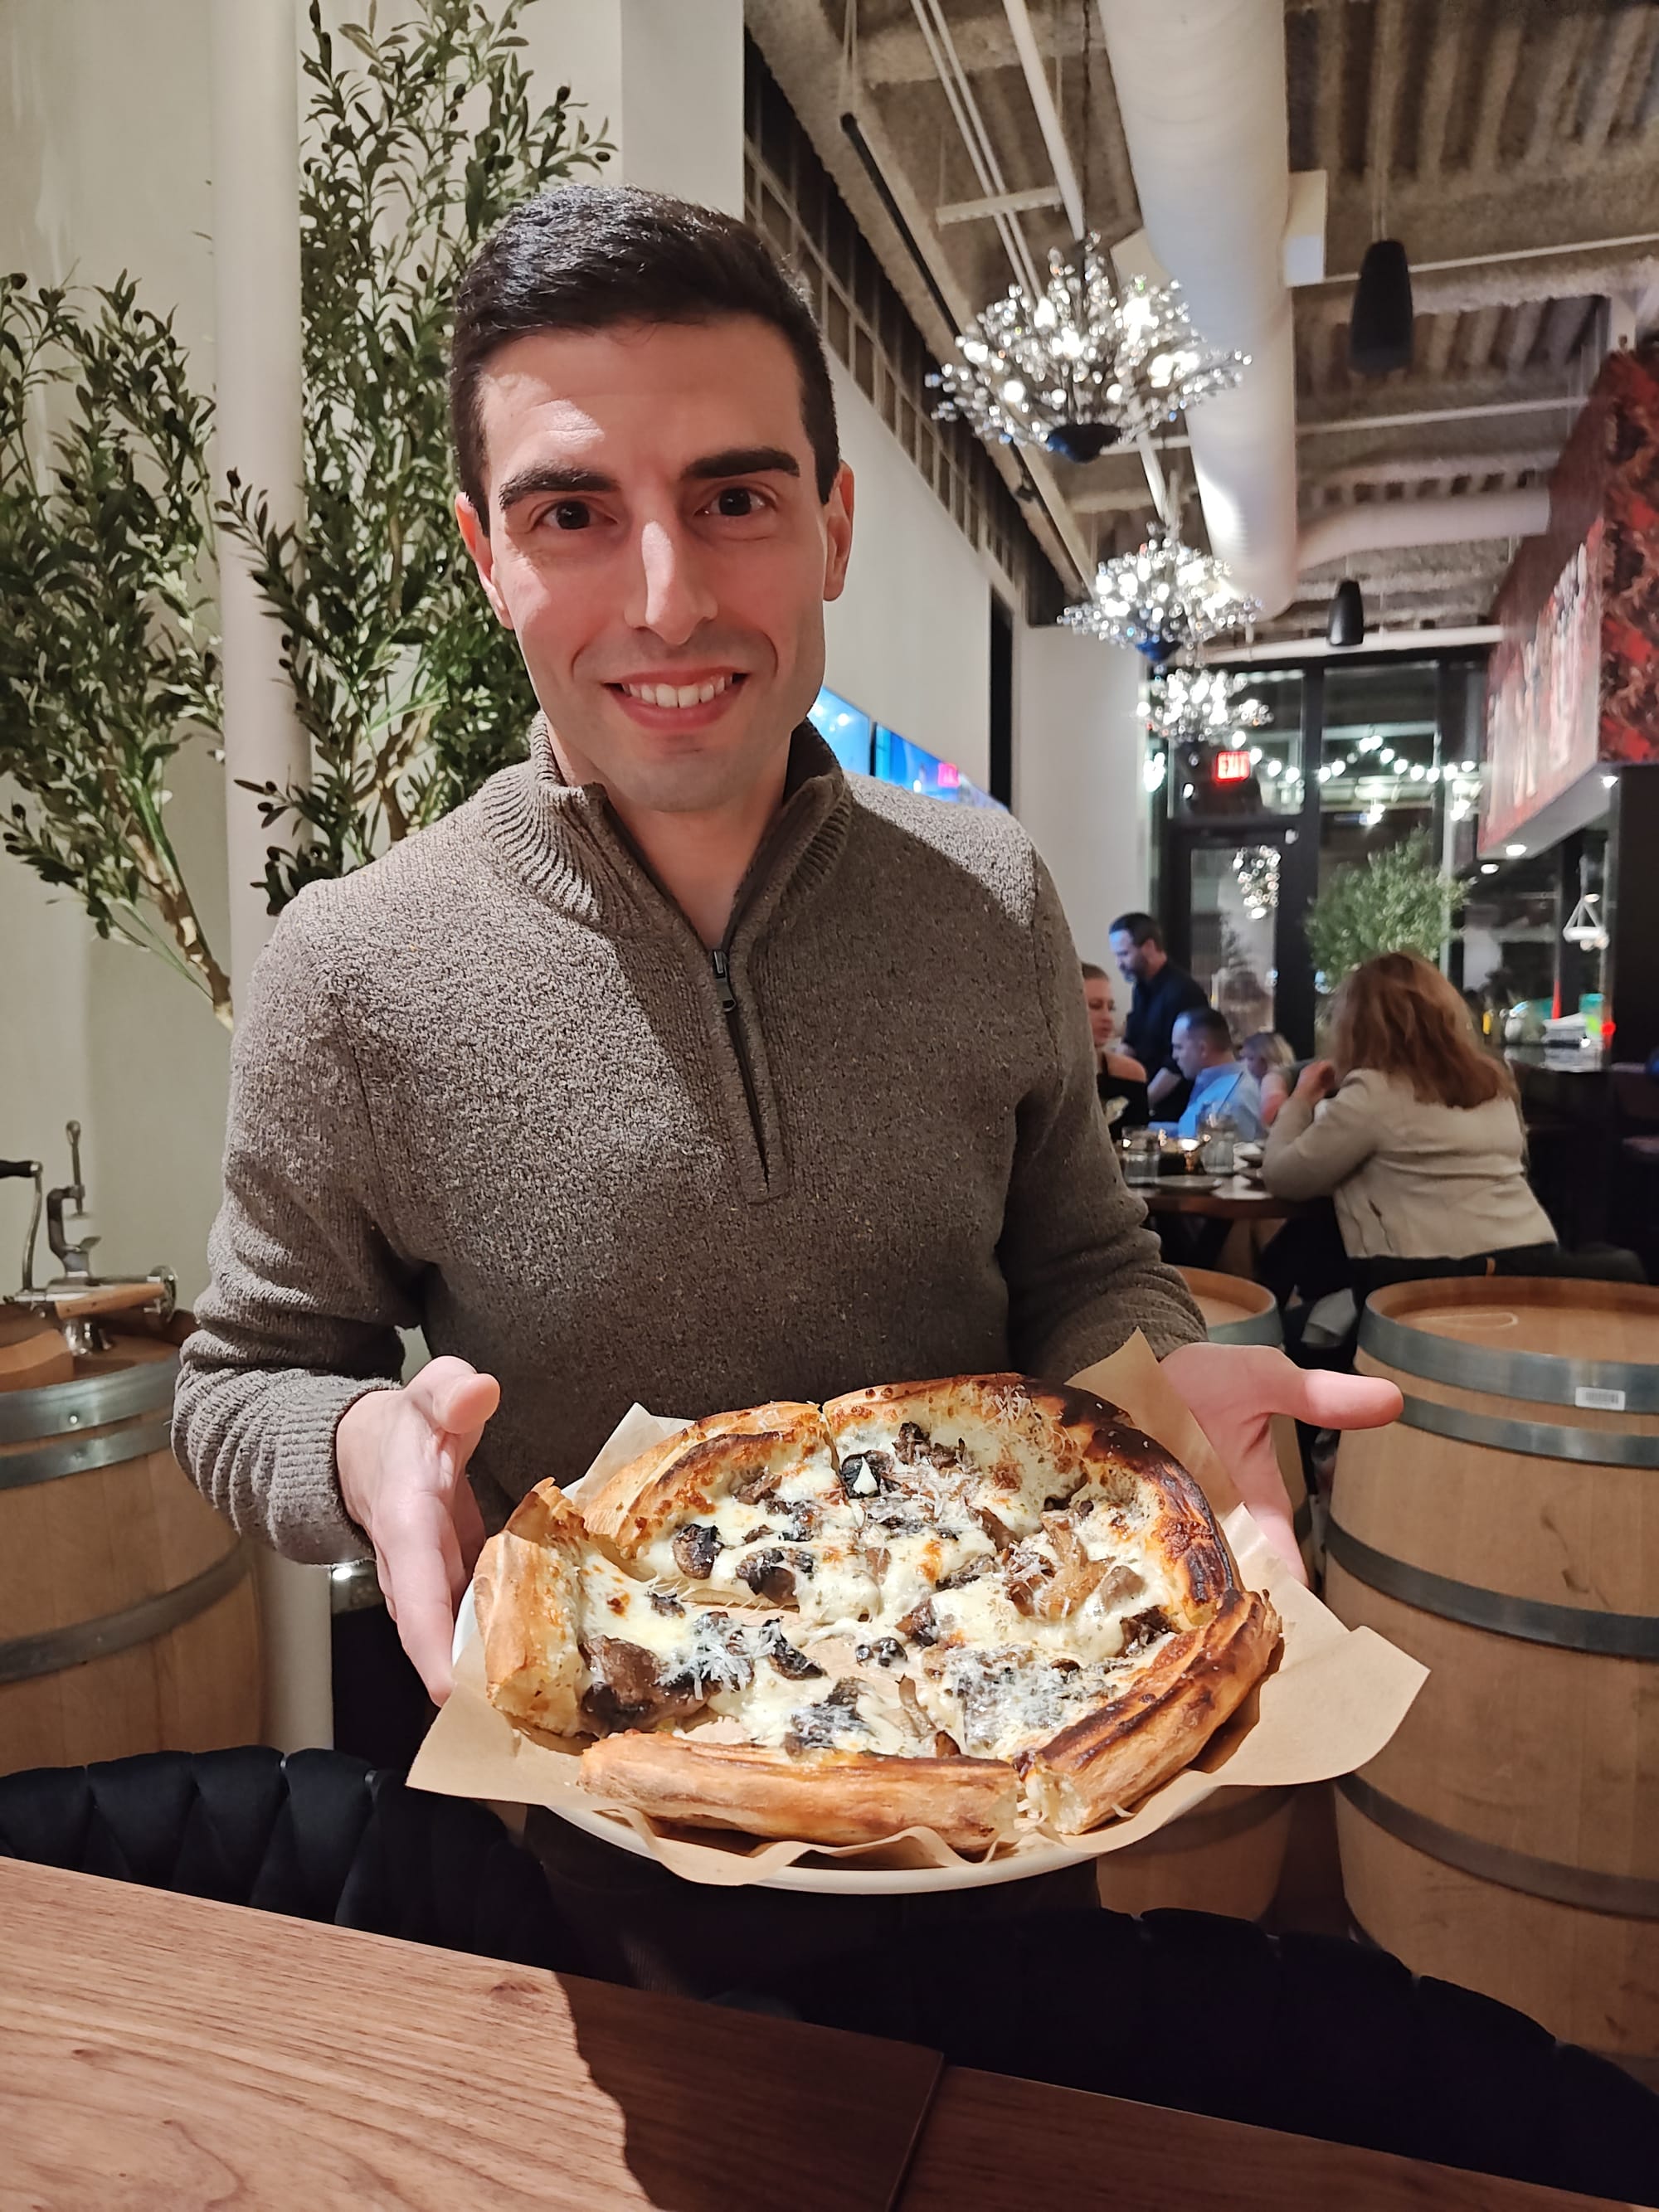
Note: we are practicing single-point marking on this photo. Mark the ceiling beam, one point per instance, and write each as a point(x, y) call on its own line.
point(1510, 279)
point(1039, 196)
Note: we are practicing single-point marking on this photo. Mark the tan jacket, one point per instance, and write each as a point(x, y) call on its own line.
point(1409, 1180)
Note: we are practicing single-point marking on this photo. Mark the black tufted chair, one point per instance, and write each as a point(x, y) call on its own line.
point(316, 1834)
point(1308, 2034)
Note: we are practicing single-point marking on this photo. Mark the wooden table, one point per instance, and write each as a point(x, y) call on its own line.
point(1235, 1200)
point(159, 2054)
point(991, 2144)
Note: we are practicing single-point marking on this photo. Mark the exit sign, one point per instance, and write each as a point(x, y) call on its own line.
point(1231, 767)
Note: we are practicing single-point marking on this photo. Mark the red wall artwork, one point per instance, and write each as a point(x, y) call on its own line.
point(1576, 679)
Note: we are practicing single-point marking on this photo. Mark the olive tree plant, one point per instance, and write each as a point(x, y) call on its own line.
point(419, 136)
point(1398, 902)
point(410, 694)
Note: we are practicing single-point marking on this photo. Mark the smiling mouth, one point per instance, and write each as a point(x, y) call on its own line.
point(681, 695)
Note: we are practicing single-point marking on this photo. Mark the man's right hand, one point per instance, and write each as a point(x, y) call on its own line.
point(402, 1457)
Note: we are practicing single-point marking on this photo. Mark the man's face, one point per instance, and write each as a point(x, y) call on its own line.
point(1189, 1048)
point(657, 543)
point(1097, 995)
point(1131, 958)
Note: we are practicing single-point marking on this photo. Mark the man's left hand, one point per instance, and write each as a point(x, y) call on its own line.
point(1234, 1390)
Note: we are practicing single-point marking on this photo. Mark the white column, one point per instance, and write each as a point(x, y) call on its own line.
point(1079, 747)
point(256, 266)
point(665, 78)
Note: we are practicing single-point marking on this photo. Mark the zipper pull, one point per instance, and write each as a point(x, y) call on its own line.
point(723, 982)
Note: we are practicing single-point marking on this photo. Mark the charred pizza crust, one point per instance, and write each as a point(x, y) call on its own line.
point(827, 1798)
point(1000, 1593)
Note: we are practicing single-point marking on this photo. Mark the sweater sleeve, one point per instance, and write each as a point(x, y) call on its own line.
point(1308, 1155)
point(307, 1297)
point(1082, 1269)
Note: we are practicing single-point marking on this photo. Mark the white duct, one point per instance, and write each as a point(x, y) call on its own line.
point(1200, 88)
point(1384, 525)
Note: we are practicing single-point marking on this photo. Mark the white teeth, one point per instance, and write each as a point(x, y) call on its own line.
point(684, 694)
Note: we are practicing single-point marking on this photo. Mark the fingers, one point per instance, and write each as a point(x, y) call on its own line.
point(455, 1399)
point(1347, 1402)
point(419, 1561)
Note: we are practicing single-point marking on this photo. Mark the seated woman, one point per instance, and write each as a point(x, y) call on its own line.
point(1412, 1128)
point(1268, 1057)
point(1118, 1074)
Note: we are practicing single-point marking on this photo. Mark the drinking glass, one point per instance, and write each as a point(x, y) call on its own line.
point(1141, 1154)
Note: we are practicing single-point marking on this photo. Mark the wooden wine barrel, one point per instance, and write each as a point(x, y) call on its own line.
point(1507, 1533)
point(1236, 1310)
point(1225, 1856)
point(127, 1611)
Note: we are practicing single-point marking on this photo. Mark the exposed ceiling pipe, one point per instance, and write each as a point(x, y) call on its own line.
point(1200, 89)
point(1383, 524)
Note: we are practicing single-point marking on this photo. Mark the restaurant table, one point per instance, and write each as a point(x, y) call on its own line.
point(170, 2053)
point(1234, 1198)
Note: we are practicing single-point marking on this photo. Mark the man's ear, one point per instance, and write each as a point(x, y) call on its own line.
point(838, 532)
point(476, 538)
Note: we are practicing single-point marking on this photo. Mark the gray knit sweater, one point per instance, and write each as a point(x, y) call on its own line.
point(487, 1087)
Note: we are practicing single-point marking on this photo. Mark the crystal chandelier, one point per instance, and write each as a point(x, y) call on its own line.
point(1166, 598)
point(1256, 868)
point(1186, 706)
point(1084, 364)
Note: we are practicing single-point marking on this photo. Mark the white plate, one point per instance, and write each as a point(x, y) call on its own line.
point(827, 1878)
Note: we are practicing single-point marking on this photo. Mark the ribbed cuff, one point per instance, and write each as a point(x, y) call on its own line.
point(305, 1514)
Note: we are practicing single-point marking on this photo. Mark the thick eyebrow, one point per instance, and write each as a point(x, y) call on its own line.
point(735, 461)
point(744, 461)
point(546, 476)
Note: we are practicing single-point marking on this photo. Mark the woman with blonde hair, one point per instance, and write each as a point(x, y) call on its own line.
point(1269, 1058)
point(1414, 1131)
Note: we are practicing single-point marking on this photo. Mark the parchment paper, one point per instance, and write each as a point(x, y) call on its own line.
point(1331, 1702)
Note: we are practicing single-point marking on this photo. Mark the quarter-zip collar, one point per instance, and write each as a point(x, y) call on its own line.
point(567, 844)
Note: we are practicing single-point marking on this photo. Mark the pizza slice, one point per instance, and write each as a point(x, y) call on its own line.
point(750, 1719)
point(748, 1507)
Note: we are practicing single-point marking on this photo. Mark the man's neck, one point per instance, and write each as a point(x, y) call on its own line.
point(699, 858)
point(1154, 972)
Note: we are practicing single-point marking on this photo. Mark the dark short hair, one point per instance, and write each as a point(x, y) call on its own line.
point(1142, 928)
point(588, 257)
point(1207, 1022)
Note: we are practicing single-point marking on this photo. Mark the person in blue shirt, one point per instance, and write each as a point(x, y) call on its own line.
point(1203, 1050)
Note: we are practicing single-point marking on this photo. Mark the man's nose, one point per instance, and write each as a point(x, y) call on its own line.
point(671, 595)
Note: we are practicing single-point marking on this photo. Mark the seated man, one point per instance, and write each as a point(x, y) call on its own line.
point(1203, 1048)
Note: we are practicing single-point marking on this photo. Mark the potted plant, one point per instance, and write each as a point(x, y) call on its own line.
point(1398, 902)
point(418, 139)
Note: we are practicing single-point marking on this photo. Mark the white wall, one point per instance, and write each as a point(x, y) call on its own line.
point(104, 166)
point(909, 640)
point(664, 77)
point(1078, 751)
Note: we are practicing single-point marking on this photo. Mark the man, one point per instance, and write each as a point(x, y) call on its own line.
point(1221, 1083)
point(1162, 991)
point(629, 1079)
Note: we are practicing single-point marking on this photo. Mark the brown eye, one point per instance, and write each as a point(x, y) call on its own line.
point(735, 501)
point(571, 514)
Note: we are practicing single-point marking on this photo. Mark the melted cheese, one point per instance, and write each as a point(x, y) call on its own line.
point(997, 1680)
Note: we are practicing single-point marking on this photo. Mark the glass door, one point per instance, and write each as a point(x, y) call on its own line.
point(1230, 913)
